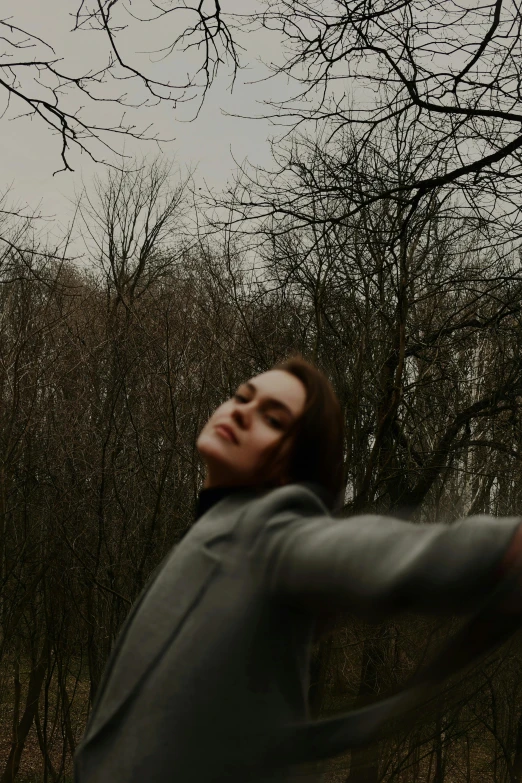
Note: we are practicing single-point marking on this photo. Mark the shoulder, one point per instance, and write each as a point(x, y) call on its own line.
point(282, 505)
point(276, 511)
point(302, 499)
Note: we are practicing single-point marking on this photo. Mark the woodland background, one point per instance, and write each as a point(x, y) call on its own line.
point(384, 247)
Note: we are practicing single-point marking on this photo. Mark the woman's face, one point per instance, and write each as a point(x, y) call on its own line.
point(236, 439)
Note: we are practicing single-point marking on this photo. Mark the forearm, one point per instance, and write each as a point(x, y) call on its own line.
point(376, 566)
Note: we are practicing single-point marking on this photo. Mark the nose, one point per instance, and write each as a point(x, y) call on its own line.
point(242, 415)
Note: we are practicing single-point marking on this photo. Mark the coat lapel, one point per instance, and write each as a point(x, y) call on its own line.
point(171, 595)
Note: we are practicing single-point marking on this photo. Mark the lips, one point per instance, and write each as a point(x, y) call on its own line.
point(228, 430)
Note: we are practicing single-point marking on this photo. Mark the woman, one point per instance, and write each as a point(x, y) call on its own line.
point(208, 680)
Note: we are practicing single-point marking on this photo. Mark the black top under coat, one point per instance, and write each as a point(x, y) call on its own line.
point(212, 495)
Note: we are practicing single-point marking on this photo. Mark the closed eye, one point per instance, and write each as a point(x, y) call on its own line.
point(270, 419)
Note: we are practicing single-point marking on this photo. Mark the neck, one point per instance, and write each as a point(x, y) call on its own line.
point(222, 484)
point(214, 477)
point(211, 482)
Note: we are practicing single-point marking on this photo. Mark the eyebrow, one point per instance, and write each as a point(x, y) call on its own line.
point(274, 403)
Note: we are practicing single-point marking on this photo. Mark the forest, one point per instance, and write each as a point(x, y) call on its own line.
point(384, 245)
point(108, 372)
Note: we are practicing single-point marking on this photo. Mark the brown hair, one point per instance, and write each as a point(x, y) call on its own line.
point(317, 451)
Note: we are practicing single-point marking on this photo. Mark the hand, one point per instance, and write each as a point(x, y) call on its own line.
point(511, 566)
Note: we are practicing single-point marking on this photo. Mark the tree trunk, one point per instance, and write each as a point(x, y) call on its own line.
point(440, 762)
point(364, 766)
point(318, 676)
point(516, 769)
point(21, 730)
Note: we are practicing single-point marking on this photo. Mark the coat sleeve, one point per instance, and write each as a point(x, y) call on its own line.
point(375, 565)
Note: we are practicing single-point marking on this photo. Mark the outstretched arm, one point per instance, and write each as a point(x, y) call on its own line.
point(375, 565)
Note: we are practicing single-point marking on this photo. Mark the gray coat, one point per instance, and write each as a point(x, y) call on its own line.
point(211, 667)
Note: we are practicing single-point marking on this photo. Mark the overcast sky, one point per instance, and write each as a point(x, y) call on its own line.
point(31, 154)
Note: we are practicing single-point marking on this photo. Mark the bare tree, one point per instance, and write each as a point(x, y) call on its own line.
point(415, 314)
point(452, 69)
point(135, 227)
point(72, 104)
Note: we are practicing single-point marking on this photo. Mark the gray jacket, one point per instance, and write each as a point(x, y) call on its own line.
point(210, 671)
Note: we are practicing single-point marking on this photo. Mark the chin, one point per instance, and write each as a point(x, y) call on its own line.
point(207, 445)
point(213, 451)
point(212, 447)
